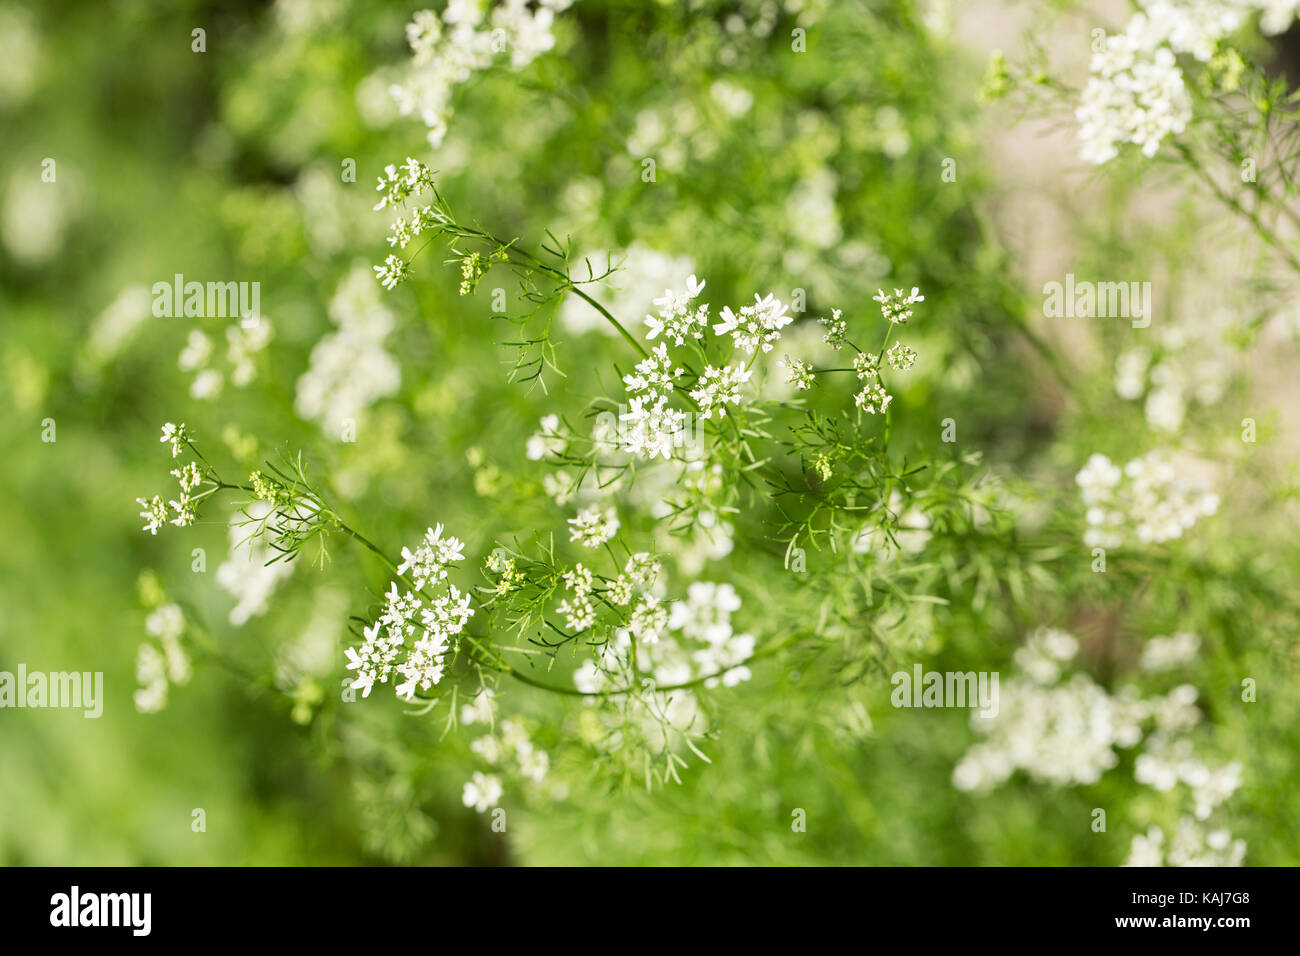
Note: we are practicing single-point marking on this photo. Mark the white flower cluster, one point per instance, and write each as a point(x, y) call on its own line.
point(719, 387)
point(1136, 93)
point(638, 577)
point(836, 329)
point(1192, 845)
point(548, 439)
point(650, 427)
point(654, 376)
point(1065, 731)
point(514, 743)
point(679, 317)
point(592, 528)
point(482, 791)
point(798, 373)
point(428, 563)
point(1151, 498)
point(242, 343)
point(510, 742)
point(1058, 733)
point(873, 399)
point(156, 513)
point(175, 435)
point(400, 183)
point(705, 617)
point(579, 613)
point(756, 326)
point(1169, 760)
point(649, 620)
point(1193, 26)
point(397, 185)
point(158, 666)
point(1186, 368)
point(896, 306)
point(430, 619)
point(1278, 15)
point(1168, 653)
point(688, 640)
point(900, 357)
point(349, 369)
point(470, 36)
point(249, 574)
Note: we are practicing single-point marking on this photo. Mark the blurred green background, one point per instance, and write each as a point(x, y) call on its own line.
point(227, 164)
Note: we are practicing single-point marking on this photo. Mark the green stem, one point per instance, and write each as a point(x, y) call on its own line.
point(1252, 215)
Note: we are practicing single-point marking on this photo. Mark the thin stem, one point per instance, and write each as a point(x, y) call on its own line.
point(1265, 233)
point(565, 280)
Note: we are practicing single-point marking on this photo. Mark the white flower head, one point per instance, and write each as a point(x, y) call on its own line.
point(482, 792)
point(897, 306)
point(154, 513)
point(392, 272)
point(592, 528)
point(177, 435)
point(719, 387)
point(873, 399)
point(756, 326)
point(679, 316)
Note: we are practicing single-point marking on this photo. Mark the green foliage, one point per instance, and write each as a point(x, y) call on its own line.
point(525, 250)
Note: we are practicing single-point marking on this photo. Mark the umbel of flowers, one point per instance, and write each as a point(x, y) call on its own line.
point(698, 362)
point(422, 619)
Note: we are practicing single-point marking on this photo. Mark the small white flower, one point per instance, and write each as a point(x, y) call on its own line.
point(482, 791)
point(866, 364)
point(197, 351)
point(757, 326)
point(654, 376)
point(900, 357)
point(873, 399)
point(592, 528)
point(718, 387)
point(798, 373)
point(836, 330)
point(579, 580)
point(650, 430)
point(649, 621)
point(393, 271)
point(154, 513)
point(579, 614)
point(177, 435)
point(189, 477)
point(679, 318)
point(481, 710)
point(548, 440)
point(896, 307)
